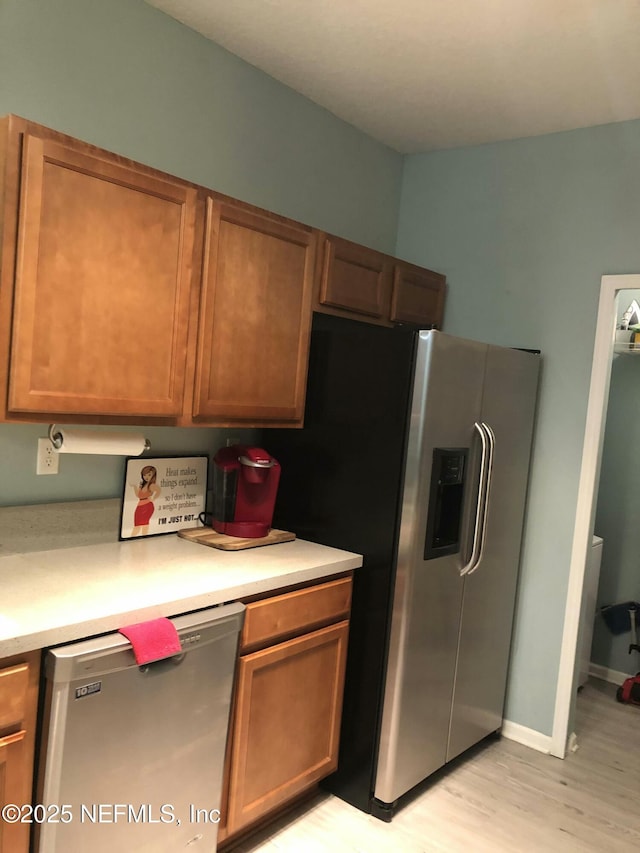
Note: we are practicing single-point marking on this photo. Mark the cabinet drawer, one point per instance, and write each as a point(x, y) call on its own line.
point(292, 613)
point(14, 681)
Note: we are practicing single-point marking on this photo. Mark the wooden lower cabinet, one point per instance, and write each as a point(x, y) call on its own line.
point(287, 722)
point(18, 708)
point(285, 725)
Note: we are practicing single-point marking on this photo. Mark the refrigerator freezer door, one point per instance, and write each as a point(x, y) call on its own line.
point(428, 593)
point(134, 751)
point(508, 406)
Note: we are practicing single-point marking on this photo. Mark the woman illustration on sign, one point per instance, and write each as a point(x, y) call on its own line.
point(146, 491)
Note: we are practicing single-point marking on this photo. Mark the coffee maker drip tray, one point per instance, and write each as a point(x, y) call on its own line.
point(207, 536)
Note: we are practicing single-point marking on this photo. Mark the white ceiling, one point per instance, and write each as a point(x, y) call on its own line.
point(425, 74)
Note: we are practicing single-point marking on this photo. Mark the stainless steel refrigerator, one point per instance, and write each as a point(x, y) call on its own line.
point(415, 453)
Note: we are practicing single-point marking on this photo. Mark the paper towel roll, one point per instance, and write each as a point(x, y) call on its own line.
point(98, 442)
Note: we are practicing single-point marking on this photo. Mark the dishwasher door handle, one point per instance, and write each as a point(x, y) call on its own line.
point(157, 667)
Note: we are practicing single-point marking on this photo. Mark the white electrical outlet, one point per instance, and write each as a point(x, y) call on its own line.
point(47, 460)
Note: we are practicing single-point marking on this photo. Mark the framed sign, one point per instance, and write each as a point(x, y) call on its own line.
point(162, 495)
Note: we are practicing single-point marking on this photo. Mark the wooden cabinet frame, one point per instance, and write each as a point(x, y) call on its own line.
point(19, 684)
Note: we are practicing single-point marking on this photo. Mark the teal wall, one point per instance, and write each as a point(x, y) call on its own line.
point(128, 78)
point(524, 230)
point(618, 509)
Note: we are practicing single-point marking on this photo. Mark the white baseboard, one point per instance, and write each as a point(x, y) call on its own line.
point(542, 743)
point(606, 674)
point(527, 737)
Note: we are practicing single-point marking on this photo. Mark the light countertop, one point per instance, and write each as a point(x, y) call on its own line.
point(60, 594)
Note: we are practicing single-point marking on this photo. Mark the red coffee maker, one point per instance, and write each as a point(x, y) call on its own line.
point(245, 484)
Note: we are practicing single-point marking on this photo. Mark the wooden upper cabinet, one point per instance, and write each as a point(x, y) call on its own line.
point(128, 295)
point(355, 279)
point(255, 318)
point(367, 285)
point(418, 296)
point(103, 281)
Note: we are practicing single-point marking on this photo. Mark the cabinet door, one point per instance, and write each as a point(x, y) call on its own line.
point(14, 783)
point(418, 296)
point(287, 722)
point(255, 318)
point(355, 279)
point(18, 705)
point(103, 279)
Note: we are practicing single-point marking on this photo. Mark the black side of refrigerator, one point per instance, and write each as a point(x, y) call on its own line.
point(341, 485)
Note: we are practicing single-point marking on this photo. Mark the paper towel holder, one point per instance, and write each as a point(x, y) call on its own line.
point(56, 437)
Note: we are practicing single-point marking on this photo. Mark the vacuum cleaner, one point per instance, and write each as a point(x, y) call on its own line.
point(617, 618)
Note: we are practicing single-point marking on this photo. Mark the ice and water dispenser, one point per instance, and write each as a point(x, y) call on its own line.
point(444, 519)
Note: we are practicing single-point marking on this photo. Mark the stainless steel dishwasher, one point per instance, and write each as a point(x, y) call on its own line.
point(133, 755)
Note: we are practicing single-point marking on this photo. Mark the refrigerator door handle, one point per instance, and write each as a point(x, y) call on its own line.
point(481, 503)
point(491, 441)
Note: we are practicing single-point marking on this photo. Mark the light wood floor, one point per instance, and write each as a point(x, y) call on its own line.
point(502, 797)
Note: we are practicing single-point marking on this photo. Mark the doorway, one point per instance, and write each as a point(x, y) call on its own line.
point(611, 286)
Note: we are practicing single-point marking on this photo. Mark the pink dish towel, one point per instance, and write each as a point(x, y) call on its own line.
point(153, 640)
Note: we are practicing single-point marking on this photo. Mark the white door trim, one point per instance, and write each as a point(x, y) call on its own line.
point(586, 505)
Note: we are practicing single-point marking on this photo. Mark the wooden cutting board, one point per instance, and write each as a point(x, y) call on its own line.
point(207, 536)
